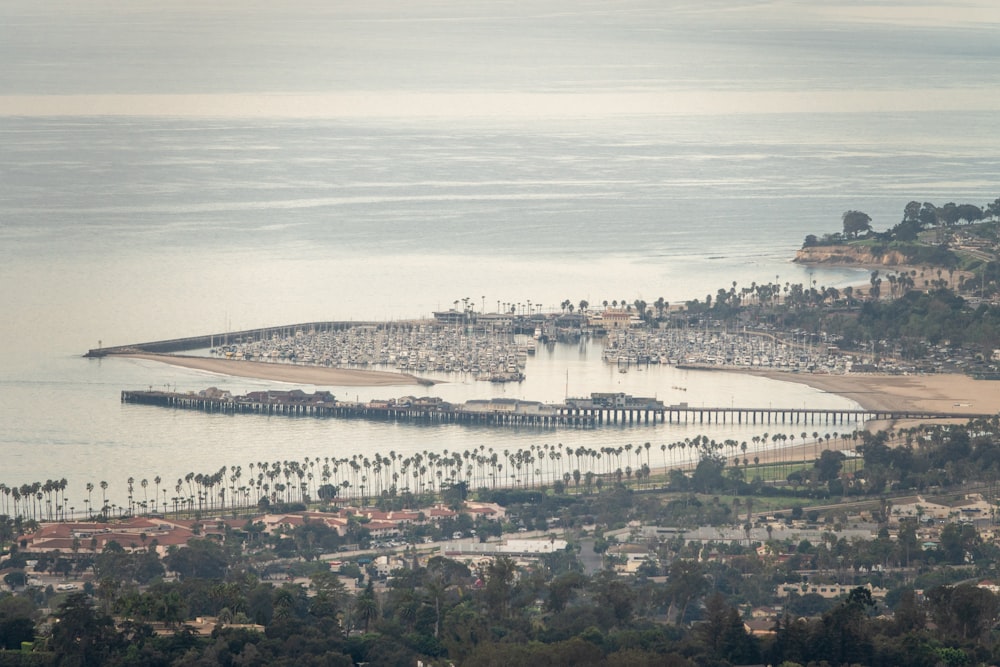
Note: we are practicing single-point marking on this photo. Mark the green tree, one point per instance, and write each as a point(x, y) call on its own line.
point(828, 464)
point(707, 477)
point(499, 580)
point(366, 606)
point(562, 588)
point(614, 595)
point(685, 583)
point(82, 636)
point(856, 222)
point(16, 579)
point(844, 635)
point(16, 624)
point(956, 540)
point(965, 611)
point(204, 559)
point(330, 595)
point(723, 633)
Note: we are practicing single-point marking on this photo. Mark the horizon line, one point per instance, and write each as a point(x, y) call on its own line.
point(499, 105)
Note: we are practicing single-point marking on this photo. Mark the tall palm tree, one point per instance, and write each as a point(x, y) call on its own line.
point(104, 495)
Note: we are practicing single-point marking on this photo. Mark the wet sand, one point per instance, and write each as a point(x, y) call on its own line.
point(317, 375)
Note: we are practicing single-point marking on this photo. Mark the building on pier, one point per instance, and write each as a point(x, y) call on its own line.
point(615, 400)
point(510, 406)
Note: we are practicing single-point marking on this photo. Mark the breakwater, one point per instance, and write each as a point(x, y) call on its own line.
point(511, 412)
point(225, 338)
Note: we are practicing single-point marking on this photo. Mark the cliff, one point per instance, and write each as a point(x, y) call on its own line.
point(849, 254)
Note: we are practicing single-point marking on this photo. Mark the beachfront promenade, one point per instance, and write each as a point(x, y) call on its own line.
point(510, 412)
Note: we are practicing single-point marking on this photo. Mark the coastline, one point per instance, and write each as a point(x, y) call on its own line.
point(316, 375)
point(945, 392)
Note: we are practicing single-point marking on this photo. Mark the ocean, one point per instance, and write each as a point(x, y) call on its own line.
point(136, 226)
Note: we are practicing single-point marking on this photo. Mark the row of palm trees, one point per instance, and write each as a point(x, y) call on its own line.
point(361, 477)
point(34, 501)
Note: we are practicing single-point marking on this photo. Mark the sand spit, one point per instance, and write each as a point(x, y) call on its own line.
point(315, 375)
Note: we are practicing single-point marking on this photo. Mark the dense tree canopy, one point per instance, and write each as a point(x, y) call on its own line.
point(856, 223)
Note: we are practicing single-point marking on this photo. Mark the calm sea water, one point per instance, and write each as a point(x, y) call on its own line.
point(124, 230)
point(135, 227)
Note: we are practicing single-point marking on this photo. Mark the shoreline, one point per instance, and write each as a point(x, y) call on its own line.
point(944, 392)
point(315, 375)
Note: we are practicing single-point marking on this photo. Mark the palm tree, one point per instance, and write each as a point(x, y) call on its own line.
point(366, 606)
point(104, 495)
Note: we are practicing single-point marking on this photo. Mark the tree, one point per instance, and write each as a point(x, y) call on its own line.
point(969, 212)
point(966, 611)
point(908, 615)
point(614, 595)
point(327, 492)
point(685, 582)
point(16, 579)
point(561, 590)
point(16, 624)
point(956, 540)
point(82, 636)
point(993, 208)
point(929, 216)
point(203, 559)
point(829, 464)
point(366, 605)
point(856, 222)
point(707, 475)
point(845, 634)
point(499, 579)
point(723, 633)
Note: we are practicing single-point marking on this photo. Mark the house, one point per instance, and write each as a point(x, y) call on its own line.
point(828, 591)
point(614, 318)
point(73, 539)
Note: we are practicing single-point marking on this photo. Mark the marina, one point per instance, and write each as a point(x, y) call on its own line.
point(485, 352)
point(746, 348)
point(495, 347)
point(485, 347)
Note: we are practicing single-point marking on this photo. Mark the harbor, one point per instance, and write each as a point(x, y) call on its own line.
point(745, 348)
point(495, 347)
point(483, 348)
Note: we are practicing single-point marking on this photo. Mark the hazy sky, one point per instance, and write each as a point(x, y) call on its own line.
point(493, 58)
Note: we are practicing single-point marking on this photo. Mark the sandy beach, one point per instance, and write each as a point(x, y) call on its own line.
point(336, 377)
point(946, 392)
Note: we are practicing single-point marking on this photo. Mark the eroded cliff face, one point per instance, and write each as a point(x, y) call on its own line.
point(844, 254)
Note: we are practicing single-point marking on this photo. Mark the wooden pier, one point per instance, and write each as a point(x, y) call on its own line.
point(754, 416)
point(443, 413)
point(545, 416)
